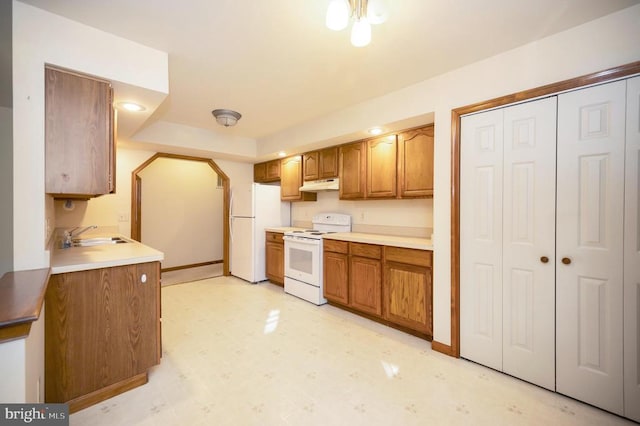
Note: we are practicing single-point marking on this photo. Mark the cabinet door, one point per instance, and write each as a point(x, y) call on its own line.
point(311, 165)
point(589, 266)
point(101, 327)
point(291, 180)
point(415, 163)
point(381, 167)
point(260, 172)
point(408, 296)
point(328, 163)
point(275, 262)
point(336, 277)
point(78, 133)
point(352, 162)
point(273, 171)
point(365, 281)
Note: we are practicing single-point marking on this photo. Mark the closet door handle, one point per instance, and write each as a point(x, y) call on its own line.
point(566, 260)
point(544, 259)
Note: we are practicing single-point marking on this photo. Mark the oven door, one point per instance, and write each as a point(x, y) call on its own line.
point(302, 260)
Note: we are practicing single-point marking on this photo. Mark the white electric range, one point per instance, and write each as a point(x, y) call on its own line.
point(303, 256)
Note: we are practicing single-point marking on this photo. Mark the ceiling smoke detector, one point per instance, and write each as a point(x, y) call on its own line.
point(226, 117)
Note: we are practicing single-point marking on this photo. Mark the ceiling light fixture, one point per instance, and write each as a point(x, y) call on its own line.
point(364, 12)
point(131, 106)
point(226, 117)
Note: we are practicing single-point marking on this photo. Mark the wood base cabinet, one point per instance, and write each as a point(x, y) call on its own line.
point(407, 291)
point(102, 332)
point(391, 285)
point(365, 278)
point(336, 271)
point(274, 252)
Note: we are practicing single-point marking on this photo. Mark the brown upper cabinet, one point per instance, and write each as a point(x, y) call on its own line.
point(266, 172)
point(321, 164)
point(291, 180)
point(351, 168)
point(415, 163)
point(79, 135)
point(381, 167)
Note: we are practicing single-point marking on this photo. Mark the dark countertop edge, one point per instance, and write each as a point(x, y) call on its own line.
point(21, 299)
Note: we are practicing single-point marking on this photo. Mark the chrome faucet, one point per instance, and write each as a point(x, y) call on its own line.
point(69, 234)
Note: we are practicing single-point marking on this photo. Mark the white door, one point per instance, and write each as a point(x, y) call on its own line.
point(632, 255)
point(481, 238)
point(590, 191)
point(528, 243)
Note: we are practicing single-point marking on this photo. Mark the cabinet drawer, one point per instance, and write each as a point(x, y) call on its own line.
point(366, 250)
point(408, 256)
point(336, 246)
point(275, 237)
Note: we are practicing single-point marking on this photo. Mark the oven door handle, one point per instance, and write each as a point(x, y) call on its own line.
point(304, 241)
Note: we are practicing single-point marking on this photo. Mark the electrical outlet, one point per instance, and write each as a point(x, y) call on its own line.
point(361, 215)
point(123, 217)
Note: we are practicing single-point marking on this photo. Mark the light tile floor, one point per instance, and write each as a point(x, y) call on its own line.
point(241, 354)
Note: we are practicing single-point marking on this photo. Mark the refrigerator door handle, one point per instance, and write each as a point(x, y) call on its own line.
point(231, 228)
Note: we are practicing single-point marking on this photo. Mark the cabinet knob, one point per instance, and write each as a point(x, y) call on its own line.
point(544, 259)
point(566, 260)
point(143, 278)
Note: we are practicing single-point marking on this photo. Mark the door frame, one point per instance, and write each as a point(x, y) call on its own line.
point(136, 200)
point(550, 89)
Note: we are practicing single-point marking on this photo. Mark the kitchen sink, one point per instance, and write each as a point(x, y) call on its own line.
point(97, 241)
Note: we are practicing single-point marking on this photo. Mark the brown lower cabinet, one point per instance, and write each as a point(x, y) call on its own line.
point(408, 293)
point(388, 284)
point(274, 253)
point(102, 332)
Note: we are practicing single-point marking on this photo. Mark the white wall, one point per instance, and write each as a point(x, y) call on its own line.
point(182, 211)
point(6, 189)
point(396, 217)
point(105, 211)
point(604, 43)
point(40, 37)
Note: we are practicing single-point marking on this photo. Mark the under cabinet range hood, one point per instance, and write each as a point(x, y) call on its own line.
point(320, 185)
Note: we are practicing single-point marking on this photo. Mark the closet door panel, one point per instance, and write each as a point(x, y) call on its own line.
point(632, 255)
point(589, 286)
point(529, 242)
point(481, 238)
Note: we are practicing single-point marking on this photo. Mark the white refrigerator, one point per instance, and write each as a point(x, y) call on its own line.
point(254, 207)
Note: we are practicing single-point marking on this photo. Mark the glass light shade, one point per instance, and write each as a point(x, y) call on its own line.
point(337, 15)
point(361, 33)
point(377, 11)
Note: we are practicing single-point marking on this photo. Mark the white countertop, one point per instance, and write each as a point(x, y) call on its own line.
point(385, 240)
point(103, 256)
point(283, 229)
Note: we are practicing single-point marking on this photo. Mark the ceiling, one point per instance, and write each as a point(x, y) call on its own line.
point(278, 65)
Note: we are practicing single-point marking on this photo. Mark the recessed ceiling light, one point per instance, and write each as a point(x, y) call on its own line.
point(375, 131)
point(131, 106)
point(282, 154)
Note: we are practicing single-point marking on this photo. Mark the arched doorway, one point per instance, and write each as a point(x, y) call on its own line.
point(136, 199)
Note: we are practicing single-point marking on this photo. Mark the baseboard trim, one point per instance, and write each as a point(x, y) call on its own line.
point(442, 348)
point(100, 395)
point(192, 265)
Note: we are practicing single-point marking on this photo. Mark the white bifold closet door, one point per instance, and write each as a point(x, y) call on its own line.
point(589, 264)
point(507, 234)
point(632, 254)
